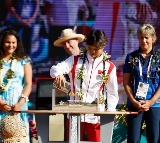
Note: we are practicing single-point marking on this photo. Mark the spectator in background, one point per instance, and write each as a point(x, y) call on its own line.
point(65, 12)
point(22, 16)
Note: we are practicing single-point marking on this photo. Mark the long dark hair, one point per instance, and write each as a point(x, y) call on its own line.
point(19, 52)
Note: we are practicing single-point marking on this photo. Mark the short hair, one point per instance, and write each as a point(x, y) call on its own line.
point(147, 29)
point(96, 38)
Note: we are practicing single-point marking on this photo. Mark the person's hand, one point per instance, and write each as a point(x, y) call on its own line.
point(137, 104)
point(16, 107)
point(5, 107)
point(145, 105)
point(26, 23)
point(59, 81)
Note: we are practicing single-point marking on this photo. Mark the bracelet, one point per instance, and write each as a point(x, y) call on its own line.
point(25, 97)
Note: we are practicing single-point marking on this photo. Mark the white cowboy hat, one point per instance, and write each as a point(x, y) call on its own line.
point(68, 34)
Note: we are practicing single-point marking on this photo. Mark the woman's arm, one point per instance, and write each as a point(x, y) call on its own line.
point(35, 13)
point(128, 90)
point(27, 87)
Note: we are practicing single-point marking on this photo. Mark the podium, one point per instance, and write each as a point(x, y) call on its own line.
point(106, 121)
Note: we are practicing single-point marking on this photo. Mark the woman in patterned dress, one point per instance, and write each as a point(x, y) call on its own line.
point(15, 77)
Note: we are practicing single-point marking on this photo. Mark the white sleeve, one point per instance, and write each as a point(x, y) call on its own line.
point(112, 91)
point(62, 68)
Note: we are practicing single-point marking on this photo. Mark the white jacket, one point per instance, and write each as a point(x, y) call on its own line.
point(92, 80)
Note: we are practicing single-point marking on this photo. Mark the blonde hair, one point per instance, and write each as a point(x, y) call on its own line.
point(147, 29)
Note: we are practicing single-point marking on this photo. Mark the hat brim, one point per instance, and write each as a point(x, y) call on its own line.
point(59, 42)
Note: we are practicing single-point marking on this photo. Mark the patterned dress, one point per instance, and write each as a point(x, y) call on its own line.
point(13, 93)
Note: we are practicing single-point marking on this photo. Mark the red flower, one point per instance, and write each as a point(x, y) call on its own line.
point(100, 72)
point(33, 130)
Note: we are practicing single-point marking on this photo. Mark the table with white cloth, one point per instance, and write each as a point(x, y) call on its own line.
point(106, 121)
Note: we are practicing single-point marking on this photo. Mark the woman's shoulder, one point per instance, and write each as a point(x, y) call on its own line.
point(156, 52)
point(26, 60)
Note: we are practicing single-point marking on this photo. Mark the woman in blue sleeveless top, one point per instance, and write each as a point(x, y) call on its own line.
point(15, 84)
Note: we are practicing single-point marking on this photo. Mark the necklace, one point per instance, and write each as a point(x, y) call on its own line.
point(80, 76)
point(9, 75)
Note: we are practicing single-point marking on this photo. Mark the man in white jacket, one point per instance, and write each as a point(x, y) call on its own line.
point(68, 40)
point(92, 76)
